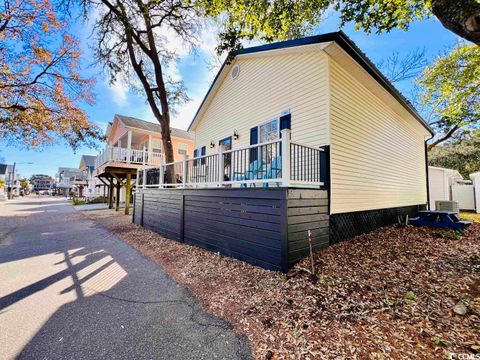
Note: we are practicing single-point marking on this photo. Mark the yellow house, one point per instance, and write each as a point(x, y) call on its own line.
point(132, 144)
point(332, 96)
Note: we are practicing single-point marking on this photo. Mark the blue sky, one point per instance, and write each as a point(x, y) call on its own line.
point(197, 75)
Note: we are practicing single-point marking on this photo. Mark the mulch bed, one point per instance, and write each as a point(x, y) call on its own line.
point(387, 294)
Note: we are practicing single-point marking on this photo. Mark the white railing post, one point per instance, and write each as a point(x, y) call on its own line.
point(184, 170)
point(221, 165)
point(144, 178)
point(162, 175)
point(285, 157)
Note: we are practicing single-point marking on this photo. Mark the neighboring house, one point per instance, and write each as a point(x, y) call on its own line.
point(41, 183)
point(3, 182)
point(70, 180)
point(132, 144)
point(93, 187)
point(341, 150)
point(12, 180)
point(440, 184)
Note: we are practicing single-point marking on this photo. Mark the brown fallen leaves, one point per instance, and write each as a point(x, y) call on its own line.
point(387, 294)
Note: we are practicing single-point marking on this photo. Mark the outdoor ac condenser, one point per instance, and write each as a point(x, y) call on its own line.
point(444, 205)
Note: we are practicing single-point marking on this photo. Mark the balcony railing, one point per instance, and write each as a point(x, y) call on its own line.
point(128, 156)
point(275, 163)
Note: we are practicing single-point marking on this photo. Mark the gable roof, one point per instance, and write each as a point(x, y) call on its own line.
point(347, 45)
point(153, 127)
point(88, 160)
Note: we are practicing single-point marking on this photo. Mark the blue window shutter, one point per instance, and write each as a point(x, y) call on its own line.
point(203, 152)
point(253, 141)
point(195, 154)
point(285, 122)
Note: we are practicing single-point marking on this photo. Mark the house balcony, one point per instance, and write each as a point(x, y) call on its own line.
point(278, 163)
point(118, 157)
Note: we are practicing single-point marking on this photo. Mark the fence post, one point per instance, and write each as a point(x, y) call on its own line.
point(221, 165)
point(161, 175)
point(184, 170)
point(285, 157)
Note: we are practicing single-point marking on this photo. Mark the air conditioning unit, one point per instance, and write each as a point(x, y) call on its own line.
point(444, 205)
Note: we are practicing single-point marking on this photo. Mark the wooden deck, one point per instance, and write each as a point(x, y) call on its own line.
point(262, 226)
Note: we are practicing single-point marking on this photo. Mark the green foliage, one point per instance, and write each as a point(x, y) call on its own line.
point(381, 15)
point(24, 184)
point(287, 19)
point(410, 295)
point(448, 234)
point(264, 20)
point(451, 89)
point(439, 341)
point(462, 155)
point(78, 201)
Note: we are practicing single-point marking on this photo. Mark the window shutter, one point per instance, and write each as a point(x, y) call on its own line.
point(285, 122)
point(195, 154)
point(203, 152)
point(253, 141)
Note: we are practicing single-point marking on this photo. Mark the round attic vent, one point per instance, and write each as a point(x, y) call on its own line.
point(235, 72)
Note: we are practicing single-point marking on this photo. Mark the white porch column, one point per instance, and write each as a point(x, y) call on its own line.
point(285, 157)
point(221, 165)
point(129, 146)
point(184, 170)
point(150, 150)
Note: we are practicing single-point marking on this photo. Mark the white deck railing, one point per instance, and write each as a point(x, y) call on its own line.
point(279, 163)
point(128, 156)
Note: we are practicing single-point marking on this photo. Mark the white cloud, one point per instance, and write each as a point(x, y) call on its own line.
point(119, 91)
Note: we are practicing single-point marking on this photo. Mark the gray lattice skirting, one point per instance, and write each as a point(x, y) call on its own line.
point(347, 225)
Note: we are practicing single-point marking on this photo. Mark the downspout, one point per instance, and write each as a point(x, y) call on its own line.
point(426, 171)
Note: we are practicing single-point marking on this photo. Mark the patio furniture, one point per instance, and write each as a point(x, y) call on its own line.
point(440, 219)
point(250, 174)
point(274, 170)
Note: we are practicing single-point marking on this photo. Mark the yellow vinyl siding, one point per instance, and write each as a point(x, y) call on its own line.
point(265, 87)
point(377, 154)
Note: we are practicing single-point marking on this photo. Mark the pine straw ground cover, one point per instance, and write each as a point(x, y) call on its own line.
point(387, 294)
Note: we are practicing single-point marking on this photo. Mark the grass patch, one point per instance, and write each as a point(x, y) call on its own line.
point(470, 216)
point(78, 202)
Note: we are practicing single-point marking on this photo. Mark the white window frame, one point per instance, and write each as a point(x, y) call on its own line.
point(178, 148)
point(265, 123)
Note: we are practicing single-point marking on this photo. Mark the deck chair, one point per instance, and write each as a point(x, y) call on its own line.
point(250, 174)
point(274, 170)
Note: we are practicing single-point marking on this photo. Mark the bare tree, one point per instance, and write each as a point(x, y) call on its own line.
point(398, 68)
point(132, 42)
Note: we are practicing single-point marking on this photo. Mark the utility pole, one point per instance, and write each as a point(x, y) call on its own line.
point(12, 179)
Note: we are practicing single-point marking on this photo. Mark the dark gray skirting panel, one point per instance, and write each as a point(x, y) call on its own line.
point(264, 227)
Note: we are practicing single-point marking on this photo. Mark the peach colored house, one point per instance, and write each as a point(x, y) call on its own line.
point(132, 144)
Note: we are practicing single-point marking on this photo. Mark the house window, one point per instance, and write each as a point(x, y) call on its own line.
point(268, 131)
point(182, 149)
point(157, 146)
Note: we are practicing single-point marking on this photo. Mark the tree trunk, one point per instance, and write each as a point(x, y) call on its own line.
point(460, 16)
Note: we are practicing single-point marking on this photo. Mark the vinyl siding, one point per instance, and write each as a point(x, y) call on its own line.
point(377, 153)
point(267, 86)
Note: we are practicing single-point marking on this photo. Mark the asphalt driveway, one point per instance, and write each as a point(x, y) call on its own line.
point(72, 290)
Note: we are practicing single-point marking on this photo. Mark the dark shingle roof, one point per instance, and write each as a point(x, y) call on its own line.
point(149, 126)
point(3, 169)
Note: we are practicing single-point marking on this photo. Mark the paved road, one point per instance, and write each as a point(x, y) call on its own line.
point(72, 290)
